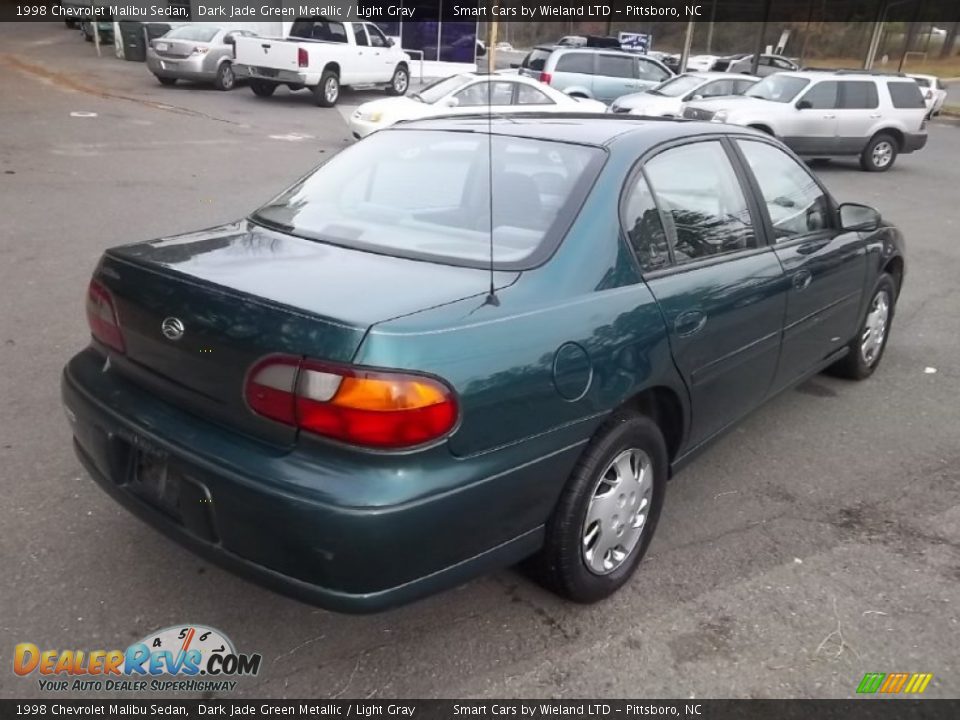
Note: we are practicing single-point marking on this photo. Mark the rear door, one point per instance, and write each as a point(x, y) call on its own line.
point(615, 75)
point(826, 268)
point(721, 291)
point(859, 112)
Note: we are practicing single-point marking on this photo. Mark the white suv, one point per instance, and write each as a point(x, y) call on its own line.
point(829, 113)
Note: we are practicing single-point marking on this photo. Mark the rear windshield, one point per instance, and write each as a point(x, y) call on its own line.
point(778, 88)
point(319, 30)
point(536, 60)
point(906, 95)
point(197, 33)
point(426, 194)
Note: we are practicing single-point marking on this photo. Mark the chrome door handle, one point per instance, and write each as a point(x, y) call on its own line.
point(875, 116)
point(689, 323)
point(829, 117)
point(802, 279)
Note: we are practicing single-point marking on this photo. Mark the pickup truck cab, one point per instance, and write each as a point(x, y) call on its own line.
point(324, 55)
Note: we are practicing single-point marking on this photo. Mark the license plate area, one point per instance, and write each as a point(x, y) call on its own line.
point(155, 481)
point(267, 72)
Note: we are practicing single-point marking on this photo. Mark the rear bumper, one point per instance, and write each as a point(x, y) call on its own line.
point(328, 530)
point(191, 68)
point(913, 142)
point(282, 77)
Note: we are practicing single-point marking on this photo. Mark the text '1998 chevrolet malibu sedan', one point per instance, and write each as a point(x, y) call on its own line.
point(466, 342)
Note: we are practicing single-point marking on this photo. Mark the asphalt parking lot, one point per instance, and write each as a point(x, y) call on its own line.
point(817, 542)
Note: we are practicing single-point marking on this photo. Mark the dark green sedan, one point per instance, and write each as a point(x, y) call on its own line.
point(467, 342)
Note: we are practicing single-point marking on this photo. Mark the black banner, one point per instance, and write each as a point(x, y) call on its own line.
point(875, 709)
point(640, 11)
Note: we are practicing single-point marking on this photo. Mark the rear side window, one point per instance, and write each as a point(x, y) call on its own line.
point(359, 34)
point(905, 95)
point(535, 60)
point(620, 66)
point(822, 96)
point(575, 63)
point(860, 95)
point(706, 212)
point(645, 228)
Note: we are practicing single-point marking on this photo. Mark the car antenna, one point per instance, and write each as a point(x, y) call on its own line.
point(491, 298)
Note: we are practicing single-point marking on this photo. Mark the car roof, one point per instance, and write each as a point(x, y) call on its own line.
point(578, 128)
point(712, 75)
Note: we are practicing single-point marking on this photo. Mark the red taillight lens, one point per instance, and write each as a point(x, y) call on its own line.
point(546, 78)
point(303, 57)
point(371, 408)
point(102, 317)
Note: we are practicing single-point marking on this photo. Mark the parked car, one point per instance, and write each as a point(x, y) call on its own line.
point(324, 55)
point(468, 93)
point(504, 46)
point(403, 372)
point(667, 98)
point(600, 74)
point(670, 60)
point(701, 63)
point(934, 93)
point(768, 65)
point(104, 28)
point(199, 53)
point(822, 114)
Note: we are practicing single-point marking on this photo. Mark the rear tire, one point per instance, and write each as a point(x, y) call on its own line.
point(262, 89)
point(582, 559)
point(867, 346)
point(168, 81)
point(400, 81)
point(327, 91)
point(225, 80)
point(880, 153)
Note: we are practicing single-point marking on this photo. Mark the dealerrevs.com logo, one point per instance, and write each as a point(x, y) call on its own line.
point(189, 658)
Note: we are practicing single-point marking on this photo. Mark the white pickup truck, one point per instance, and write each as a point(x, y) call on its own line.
point(324, 55)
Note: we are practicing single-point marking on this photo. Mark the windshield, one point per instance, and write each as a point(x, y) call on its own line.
point(198, 33)
point(426, 194)
point(778, 88)
point(677, 86)
point(441, 88)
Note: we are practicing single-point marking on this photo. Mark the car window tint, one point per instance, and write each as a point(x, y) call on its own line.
point(359, 34)
point(822, 96)
point(535, 60)
point(645, 227)
point(651, 71)
point(698, 190)
point(905, 95)
point(742, 86)
point(796, 204)
point(860, 95)
point(615, 65)
point(485, 93)
point(377, 38)
point(527, 95)
point(717, 89)
point(575, 63)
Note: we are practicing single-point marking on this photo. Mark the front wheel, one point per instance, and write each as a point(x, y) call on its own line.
point(400, 82)
point(262, 89)
point(867, 346)
point(226, 78)
point(879, 154)
point(607, 512)
point(327, 92)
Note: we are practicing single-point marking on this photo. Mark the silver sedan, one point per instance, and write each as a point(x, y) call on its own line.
point(200, 53)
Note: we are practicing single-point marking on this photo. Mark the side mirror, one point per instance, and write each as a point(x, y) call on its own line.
point(856, 217)
point(804, 105)
point(451, 102)
point(230, 40)
point(390, 42)
point(697, 97)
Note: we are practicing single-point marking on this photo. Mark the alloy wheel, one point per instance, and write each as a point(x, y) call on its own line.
point(875, 327)
point(882, 153)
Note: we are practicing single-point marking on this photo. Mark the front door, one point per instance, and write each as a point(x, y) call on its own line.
point(720, 289)
point(385, 59)
point(825, 267)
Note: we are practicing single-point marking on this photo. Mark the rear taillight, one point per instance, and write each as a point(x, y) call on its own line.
point(545, 78)
point(303, 57)
point(371, 408)
point(102, 317)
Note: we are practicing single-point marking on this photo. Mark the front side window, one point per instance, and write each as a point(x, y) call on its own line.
point(718, 88)
point(377, 38)
point(700, 195)
point(778, 88)
point(823, 96)
point(645, 228)
point(485, 93)
point(620, 66)
point(575, 62)
point(859, 95)
point(796, 204)
point(426, 194)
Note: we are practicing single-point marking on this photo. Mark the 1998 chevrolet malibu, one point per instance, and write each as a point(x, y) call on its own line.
point(468, 341)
